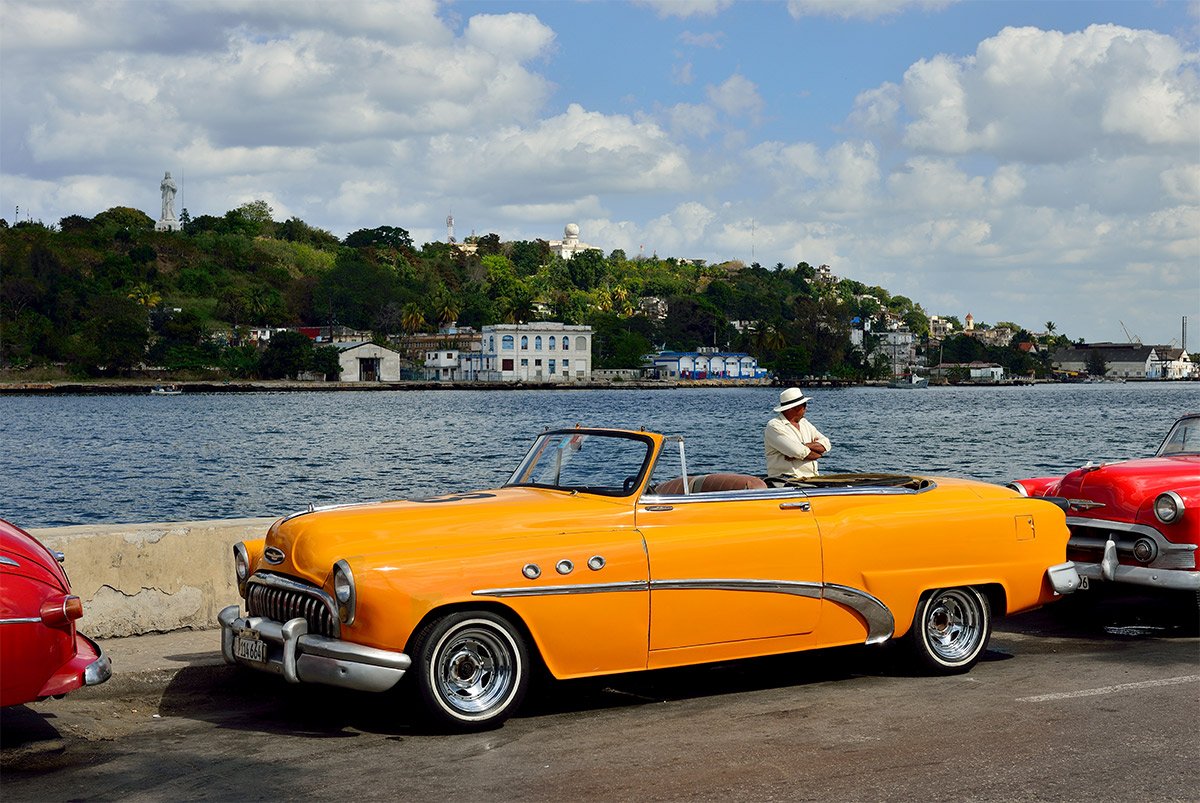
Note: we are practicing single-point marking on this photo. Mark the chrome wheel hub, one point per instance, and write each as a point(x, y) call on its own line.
point(953, 626)
point(475, 671)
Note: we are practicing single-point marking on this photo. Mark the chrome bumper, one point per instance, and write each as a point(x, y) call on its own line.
point(302, 657)
point(1063, 577)
point(1110, 568)
point(99, 670)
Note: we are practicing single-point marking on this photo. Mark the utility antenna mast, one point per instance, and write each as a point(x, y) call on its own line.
point(450, 228)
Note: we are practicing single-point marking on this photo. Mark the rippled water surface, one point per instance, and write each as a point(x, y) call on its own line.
point(81, 459)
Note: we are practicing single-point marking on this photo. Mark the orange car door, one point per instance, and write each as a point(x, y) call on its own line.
point(733, 570)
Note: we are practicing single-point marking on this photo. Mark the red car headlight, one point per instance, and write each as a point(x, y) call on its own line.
point(56, 613)
point(1168, 507)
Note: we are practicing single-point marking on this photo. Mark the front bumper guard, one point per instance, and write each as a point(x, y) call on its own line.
point(303, 657)
point(1112, 570)
point(1063, 577)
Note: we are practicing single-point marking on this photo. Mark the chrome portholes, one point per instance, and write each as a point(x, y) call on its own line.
point(596, 563)
point(564, 567)
point(531, 571)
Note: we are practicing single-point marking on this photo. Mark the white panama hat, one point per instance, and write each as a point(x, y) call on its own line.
point(792, 397)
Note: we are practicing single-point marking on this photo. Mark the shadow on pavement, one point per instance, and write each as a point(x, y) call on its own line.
point(245, 700)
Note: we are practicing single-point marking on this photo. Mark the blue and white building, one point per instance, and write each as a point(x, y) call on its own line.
point(706, 364)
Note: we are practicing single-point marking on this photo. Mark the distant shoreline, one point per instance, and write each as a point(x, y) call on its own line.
point(143, 387)
point(138, 387)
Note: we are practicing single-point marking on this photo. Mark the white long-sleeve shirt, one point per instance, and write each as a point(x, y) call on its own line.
point(782, 441)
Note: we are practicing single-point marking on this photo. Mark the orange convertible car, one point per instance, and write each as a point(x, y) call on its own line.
point(602, 554)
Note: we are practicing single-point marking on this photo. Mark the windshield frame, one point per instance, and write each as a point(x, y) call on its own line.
point(1191, 418)
point(535, 451)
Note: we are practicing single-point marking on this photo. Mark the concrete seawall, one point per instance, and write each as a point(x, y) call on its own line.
point(151, 578)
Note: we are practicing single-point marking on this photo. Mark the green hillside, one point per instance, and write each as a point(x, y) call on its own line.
point(111, 296)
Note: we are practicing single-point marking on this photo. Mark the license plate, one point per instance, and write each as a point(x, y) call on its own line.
point(1083, 584)
point(248, 647)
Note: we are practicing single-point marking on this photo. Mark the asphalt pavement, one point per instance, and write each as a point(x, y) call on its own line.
point(1094, 698)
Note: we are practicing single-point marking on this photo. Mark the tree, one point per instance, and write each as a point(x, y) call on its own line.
point(286, 356)
point(124, 217)
point(412, 319)
point(382, 236)
point(325, 361)
point(1096, 364)
point(113, 338)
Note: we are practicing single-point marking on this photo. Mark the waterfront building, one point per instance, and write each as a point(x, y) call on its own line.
point(417, 346)
point(1128, 360)
point(538, 352)
point(705, 364)
point(368, 362)
point(1171, 363)
point(981, 372)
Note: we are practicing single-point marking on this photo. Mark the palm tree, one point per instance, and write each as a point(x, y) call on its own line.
point(412, 319)
point(144, 294)
point(447, 310)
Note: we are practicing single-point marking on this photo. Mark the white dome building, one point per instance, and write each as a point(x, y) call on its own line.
point(570, 245)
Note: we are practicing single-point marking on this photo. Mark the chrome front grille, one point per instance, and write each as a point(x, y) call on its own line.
point(283, 599)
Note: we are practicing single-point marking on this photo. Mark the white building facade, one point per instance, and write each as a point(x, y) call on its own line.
point(368, 362)
point(540, 352)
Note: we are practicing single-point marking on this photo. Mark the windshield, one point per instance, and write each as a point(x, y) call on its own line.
point(1184, 438)
point(606, 463)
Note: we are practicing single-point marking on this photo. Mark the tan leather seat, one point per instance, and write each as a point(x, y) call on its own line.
point(709, 483)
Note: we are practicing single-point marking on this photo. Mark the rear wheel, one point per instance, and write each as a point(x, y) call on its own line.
point(472, 669)
point(950, 630)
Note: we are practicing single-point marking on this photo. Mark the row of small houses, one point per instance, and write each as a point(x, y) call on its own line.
point(544, 352)
point(551, 352)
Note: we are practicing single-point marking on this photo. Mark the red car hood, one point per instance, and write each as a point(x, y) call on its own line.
point(1126, 486)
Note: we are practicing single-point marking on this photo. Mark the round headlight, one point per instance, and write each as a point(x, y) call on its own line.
point(241, 562)
point(343, 591)
point(1168, 507)
point(1018, 487)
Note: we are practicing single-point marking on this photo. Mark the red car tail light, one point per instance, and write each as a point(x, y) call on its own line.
point(56, 613)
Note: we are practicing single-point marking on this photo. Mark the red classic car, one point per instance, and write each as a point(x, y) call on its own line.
point(1135, 521)
point(41, 654)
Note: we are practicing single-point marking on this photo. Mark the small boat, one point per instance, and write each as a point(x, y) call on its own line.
point(909, 381)
point(166, 390)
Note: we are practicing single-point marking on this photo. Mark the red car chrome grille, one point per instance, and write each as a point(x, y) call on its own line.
point(282, 603)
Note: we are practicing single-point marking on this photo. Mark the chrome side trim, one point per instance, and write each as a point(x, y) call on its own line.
point(880, 622)
point(759, 494)
point(795, 588)
point(24, 620)
point(553, 591)
point(7, 561)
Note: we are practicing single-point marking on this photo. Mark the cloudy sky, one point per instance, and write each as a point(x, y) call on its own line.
point(1019, 161)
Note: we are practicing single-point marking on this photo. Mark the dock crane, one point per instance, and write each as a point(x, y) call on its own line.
point(1131, 338)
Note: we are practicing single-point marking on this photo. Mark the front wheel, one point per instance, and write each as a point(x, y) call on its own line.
point(472, 669)
point(950, 630)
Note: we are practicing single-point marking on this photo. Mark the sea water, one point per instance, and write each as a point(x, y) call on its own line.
point(124, 459)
